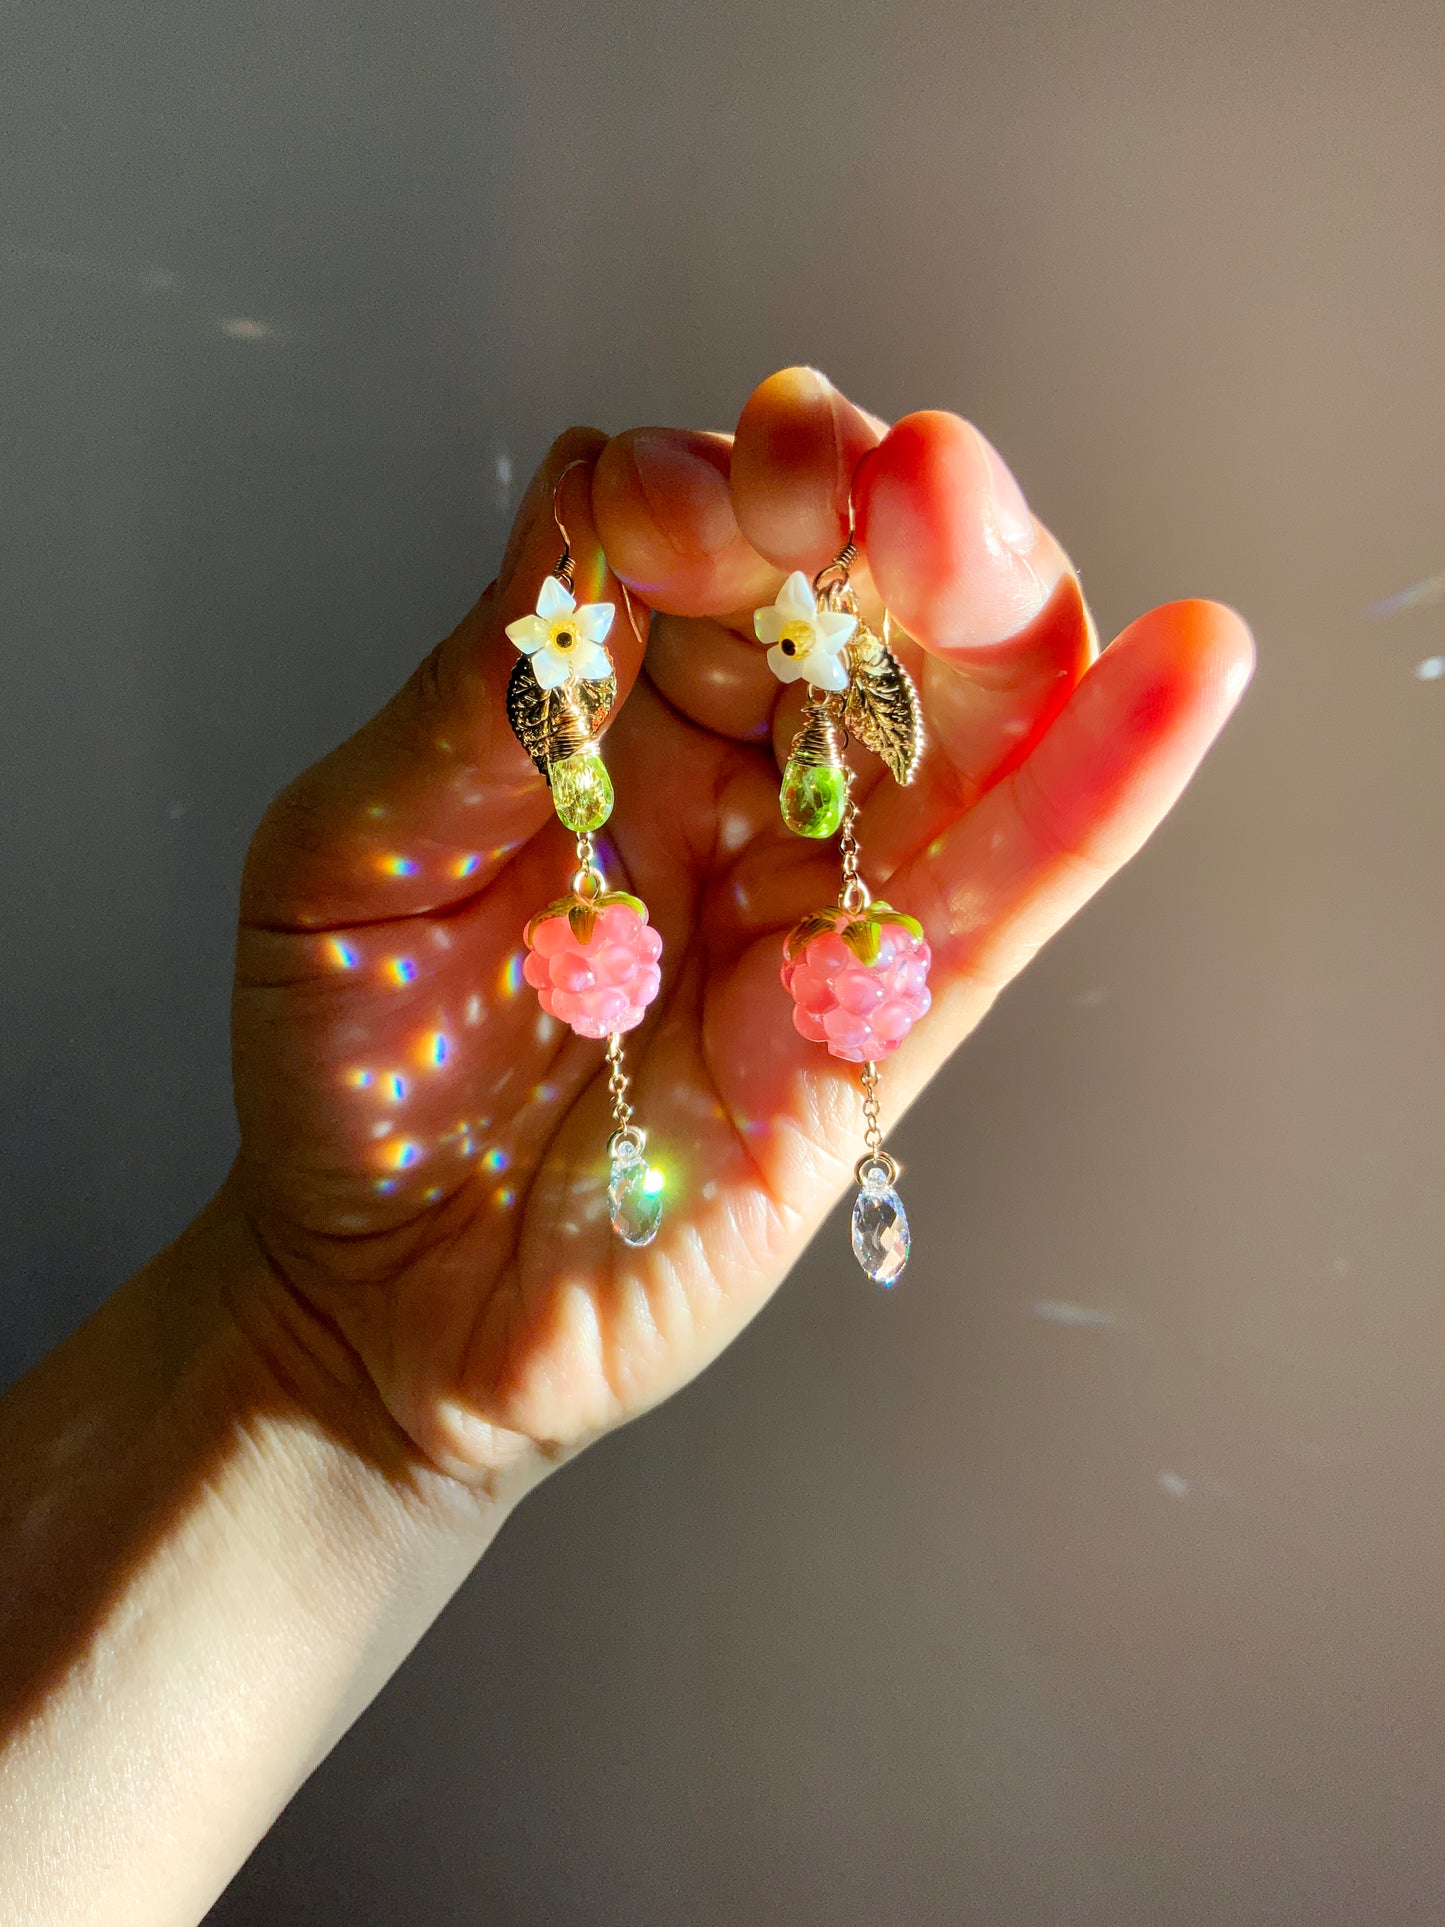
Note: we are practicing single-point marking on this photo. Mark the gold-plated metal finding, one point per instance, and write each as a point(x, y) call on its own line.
point(566, 569)
point(881, 706)
point(834, 578)
point(619, 1086)
point(555, 724)
point(853, 893)
point(819, 744)
point(552, 724)
point(873, 1124)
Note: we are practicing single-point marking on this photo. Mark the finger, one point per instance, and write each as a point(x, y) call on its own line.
point(798, 445)
point(955, 551)
point(706, 529)
point(949, 546)
point(712, 675)
point(1013, 870)
point(665, 516)
point(425, 803)
point(1002, 881)
point(992, 601)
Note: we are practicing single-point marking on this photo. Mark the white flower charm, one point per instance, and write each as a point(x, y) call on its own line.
point(564, 641)
point(805, 640)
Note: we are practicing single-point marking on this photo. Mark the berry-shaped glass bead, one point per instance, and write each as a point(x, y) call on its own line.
point(593, 962)
point(858, 980)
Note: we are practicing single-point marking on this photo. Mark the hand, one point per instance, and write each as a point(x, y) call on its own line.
point(422, 1155)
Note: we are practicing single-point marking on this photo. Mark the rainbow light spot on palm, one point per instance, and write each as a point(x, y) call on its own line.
point(465, 866)
point(402, 970)
point(359, 1080)
point(398, 866)
point(495, 1159)
point(433, 1049)
point(344, 955)
point(404, 1153)
point(511, 978)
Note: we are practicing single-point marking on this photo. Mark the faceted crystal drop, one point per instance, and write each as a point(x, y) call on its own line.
point(880, 1232)
point(634, 1196)
point(581, 791)
point(812, 798)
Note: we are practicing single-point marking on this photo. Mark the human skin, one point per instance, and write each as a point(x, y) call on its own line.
point(240, 1493)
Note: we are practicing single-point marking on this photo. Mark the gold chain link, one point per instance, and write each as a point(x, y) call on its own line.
point(873, 1127)
point(854, 892)
point(618, 1084)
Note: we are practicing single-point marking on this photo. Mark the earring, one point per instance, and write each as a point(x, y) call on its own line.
point(592, 956)
point(857, 971)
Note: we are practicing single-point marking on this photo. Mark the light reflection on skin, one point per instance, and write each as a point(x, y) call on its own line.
point(465, 865)
point(510, 980)
point(409, 1149)
point(397, 866)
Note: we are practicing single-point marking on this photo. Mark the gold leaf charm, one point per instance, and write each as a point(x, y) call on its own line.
point(881, 706)
point(552, 724)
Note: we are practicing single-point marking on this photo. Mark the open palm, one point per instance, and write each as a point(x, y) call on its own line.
point(423, 1151)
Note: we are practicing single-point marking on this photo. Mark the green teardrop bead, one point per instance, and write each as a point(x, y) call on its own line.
point(812, 798)
point(581, 791)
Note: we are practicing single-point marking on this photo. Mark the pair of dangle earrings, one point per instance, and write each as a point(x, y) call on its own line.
point(592, 956)
point(857, 970)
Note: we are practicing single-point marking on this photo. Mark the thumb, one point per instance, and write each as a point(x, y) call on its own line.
point(426, 802)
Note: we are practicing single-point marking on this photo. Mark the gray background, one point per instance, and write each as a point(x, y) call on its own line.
point(1095, 1576)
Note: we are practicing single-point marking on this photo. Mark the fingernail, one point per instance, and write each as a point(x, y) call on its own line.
point(687, 492)
point(809, 379)
point(1009, 511)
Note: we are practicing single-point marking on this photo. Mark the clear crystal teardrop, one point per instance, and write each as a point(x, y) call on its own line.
point(881, 1240)
point(634, 1195)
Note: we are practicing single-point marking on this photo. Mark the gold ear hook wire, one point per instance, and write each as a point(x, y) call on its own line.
point(831, 583)
point(566, 569)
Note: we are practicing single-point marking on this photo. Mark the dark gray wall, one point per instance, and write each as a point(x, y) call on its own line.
point(1095, 1577)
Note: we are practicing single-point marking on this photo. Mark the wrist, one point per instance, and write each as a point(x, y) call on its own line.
point(214, 1549)
point(247, 1358)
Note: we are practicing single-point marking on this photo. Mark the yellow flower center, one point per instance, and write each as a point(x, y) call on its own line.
point(564, 638)
point(796, 639)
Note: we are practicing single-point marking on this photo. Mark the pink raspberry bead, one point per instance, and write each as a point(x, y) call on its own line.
point(602, 985)
point(861, 1011)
